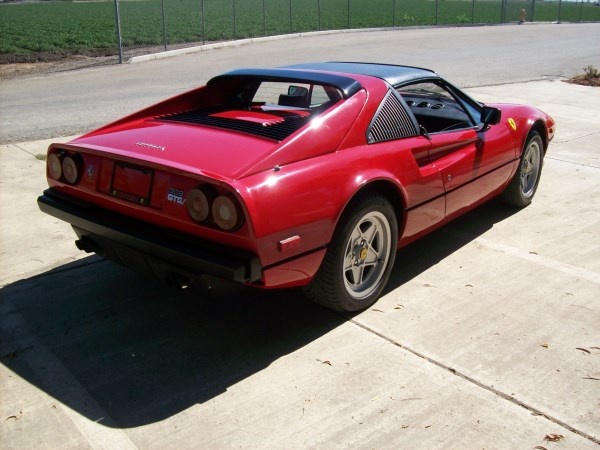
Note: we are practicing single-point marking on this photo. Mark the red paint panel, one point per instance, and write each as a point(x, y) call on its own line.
point(420, 220)
point(296, 272)
point(187, 148)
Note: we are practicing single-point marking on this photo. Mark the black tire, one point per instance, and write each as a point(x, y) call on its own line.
point(522, 187)
point(360, 257)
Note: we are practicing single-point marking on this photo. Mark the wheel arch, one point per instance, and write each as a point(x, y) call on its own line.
point(331, 287)
point(540, 127)
point(386, 188)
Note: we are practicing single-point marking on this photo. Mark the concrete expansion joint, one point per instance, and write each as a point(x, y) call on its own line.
point(515, 83)
point(23, 149)
point(549, 263)
point(572, 162)
point(564, 141)
point(511, 398)
point(99, 433)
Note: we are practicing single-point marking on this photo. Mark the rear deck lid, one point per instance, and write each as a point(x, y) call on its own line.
point(204, 150)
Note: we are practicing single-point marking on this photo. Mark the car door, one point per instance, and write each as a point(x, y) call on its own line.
point(458, 156)
point(459, 147)
point(481, 162)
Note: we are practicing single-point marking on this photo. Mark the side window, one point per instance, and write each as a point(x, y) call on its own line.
point(391, 121)
point(435, 108)
point(473, 109)
point(319, 96)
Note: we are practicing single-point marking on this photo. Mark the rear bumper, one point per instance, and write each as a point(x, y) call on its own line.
point(167, 254)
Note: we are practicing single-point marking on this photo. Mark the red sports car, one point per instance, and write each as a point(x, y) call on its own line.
point(307, 175)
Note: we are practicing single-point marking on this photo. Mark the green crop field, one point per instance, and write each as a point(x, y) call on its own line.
point(70, 27)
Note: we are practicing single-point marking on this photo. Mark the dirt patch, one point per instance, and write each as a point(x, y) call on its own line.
point(591, 77)
point(43, 57)
point(581, 79)
point(25, 64)
point(40, 63)
point(18, 70)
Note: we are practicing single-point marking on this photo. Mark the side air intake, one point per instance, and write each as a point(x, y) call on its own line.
point(391, 121)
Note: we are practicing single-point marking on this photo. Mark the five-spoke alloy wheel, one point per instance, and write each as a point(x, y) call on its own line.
point(359, 260)
point(367, 254)
point(522, 187)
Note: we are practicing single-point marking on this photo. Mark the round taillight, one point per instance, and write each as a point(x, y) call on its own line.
point(54, 166)
point(225, 213)
point(70, 170)
point(197, 205)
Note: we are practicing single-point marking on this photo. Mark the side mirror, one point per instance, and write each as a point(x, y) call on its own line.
point(490, 116)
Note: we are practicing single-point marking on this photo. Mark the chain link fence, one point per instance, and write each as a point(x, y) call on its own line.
point(59, 27)
point(173, 23)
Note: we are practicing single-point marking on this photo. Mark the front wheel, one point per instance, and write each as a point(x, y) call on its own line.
point(524, 183)
point(360, 257)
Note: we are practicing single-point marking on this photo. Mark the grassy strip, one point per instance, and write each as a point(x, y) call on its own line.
point(81, 26)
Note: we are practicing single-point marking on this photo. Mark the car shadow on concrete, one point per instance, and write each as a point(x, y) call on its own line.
point(144, 352)
point(141, 351)
point(424, 253)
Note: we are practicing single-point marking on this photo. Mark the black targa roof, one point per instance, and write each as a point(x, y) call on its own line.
point(319, 73)
point(348, 85)
point(391, 73)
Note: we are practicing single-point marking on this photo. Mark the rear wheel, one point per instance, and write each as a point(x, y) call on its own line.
point(524, 183)
point(360, 257)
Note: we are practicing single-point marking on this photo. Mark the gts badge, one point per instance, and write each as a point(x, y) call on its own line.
point(175, 195)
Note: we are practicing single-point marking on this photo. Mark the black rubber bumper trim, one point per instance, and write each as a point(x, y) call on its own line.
point(114, 234)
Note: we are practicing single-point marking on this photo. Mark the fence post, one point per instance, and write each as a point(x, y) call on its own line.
point(162, 7)
point(394, 13)
point(291, 26)
point(203, 26)
point(234, 20)
point(348, 14)
point(264, 19)
point(118, 26)
point(473, 12)
point(533, 11)
point(319, 15)
point(559, 6)
point(436, 11)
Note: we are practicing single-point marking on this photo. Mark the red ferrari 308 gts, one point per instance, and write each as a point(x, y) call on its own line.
point(308, 175)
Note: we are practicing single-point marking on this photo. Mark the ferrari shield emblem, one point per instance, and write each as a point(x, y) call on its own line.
point(512, 124)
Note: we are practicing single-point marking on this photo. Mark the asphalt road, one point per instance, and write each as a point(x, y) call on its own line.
point(72, 102)
point(486, 337)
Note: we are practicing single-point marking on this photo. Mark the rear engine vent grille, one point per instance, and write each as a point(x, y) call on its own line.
point(276, 131)
point(391, 121)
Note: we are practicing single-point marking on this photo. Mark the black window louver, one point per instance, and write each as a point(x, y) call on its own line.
point(391, 121)
point(275, 131)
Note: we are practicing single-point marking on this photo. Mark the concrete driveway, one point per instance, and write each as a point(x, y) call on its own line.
point(488, 335)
